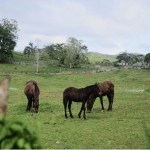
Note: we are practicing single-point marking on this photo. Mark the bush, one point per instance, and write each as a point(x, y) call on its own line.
point(16, 135)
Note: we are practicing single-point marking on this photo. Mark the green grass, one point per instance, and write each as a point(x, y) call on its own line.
point(122, 128)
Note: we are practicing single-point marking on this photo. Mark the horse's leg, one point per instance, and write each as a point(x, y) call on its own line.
point(33, 103)
point(27, 109)
point(90, 102)
point(101, 101)
point(112, 98)
point(82, 108)
point(30, 103)
point(110, 102)
point(84, 113)
point(65, 107)
point(69, 108)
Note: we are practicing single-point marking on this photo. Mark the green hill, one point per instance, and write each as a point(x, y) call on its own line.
point(97, 57)
point(20, 57)
point(93, 57)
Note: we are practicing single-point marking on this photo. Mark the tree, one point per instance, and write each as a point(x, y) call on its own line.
point(75, 52)
point(147, 59)
point(123, 57)
point(71, 53)
point(106, 62)
point(130, 58)
point(8, 38)
point(30, 49)
point(135, 58)
point(54, 51)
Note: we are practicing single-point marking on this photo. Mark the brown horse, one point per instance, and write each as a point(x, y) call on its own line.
point(32, 92)
point(106, 89)
point(78, 95)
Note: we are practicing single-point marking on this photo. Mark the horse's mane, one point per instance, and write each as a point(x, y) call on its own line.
point(91, 86)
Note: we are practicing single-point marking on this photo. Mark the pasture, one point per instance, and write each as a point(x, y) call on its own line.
point(121, 128)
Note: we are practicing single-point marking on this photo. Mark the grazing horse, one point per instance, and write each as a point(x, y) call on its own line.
point(78, 95)
point(106, 89)
point(32, 92)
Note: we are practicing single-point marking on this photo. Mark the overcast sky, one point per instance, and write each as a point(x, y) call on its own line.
point(105, 26)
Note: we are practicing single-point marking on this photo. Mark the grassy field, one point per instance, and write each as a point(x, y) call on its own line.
point(121, 128)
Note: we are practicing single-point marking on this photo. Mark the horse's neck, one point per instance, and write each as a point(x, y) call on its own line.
point(89, 89)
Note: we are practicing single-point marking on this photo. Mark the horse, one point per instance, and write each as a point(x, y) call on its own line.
point(32, 93)
point(106, 89)
point(4, 85)
point(78, 95)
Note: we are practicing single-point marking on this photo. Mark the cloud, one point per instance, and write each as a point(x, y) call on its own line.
point(104, 26)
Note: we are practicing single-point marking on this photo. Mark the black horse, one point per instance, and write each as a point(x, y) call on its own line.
point(78, 95)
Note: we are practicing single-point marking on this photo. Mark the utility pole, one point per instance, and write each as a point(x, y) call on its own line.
point(37, 60)
point(37, 56)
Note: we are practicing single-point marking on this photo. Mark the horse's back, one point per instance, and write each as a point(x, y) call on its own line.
point(73, 94)
point(70, 91)
point(29, 88)
point(108, 84)
point(107, 87)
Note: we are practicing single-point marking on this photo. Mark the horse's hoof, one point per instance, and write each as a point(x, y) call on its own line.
point(88, 111)
point(109, 110)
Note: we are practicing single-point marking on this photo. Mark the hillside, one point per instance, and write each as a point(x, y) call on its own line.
point(94, 57)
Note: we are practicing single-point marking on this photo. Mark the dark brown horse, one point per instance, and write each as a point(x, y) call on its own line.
point(32, 92)
point(78, 95)
point(106, 89)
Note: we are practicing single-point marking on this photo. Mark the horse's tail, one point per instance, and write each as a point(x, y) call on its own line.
point(65, 100)
point(37, 91)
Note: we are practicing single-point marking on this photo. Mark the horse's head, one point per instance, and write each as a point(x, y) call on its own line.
point(102, 89)
point(98, 89)
point(36, 105)
point(4, 84)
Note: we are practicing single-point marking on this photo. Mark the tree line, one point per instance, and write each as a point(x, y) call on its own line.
point(71, 54)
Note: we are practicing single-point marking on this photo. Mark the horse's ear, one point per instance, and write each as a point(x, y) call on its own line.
point(4, 84)
point(27, 82)
point(97, 83)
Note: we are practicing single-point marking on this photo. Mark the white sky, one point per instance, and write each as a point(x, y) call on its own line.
point(105, 26)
